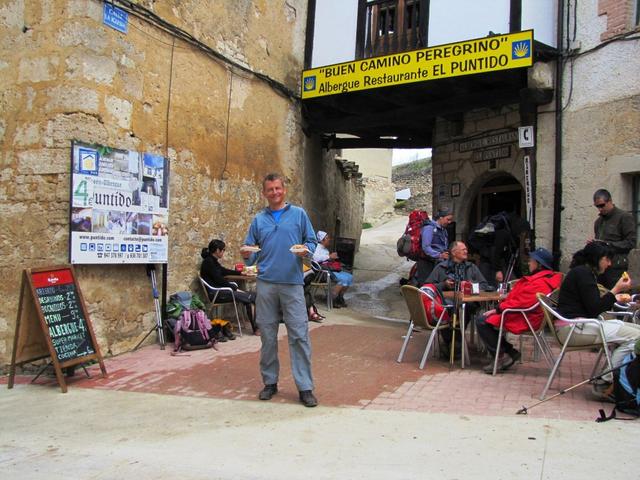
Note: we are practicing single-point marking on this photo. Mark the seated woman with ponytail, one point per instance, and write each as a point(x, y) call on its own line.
point(213, 273)
point(580, 298)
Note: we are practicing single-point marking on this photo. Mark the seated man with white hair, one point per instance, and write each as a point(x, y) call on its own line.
point(330, 261)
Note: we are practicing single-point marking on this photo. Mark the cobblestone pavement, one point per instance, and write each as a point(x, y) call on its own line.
point(355, 366)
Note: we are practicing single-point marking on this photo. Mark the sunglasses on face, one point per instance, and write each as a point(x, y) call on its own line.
point(600, 205)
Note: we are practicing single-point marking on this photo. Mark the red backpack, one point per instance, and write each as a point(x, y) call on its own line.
point(434, 304)
point(409, 244)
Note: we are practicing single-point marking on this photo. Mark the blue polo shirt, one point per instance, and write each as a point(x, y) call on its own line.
point(276, 263)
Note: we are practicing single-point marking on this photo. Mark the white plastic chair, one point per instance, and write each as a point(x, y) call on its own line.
point(215, 291)
point(550, 314)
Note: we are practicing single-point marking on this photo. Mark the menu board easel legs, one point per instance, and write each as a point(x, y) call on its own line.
point(53, 322)
point(12, 367)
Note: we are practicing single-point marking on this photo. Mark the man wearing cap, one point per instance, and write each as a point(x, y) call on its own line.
point(343, 280)
point(542, 279)
point(435, 242)
point(617, 228)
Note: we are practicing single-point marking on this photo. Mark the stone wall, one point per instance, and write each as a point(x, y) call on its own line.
point(336, 196)
point(64, 75)
point(378, 200)
point(420, 183)
point(450, 165)
point(379, 192)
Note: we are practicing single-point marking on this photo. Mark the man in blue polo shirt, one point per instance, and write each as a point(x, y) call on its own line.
point(277, 230)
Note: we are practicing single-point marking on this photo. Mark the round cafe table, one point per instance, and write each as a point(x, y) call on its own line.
point(487, 298)
point(245, 282)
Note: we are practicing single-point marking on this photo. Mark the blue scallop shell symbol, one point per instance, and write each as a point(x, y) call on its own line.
point(521, 50)
point(310, 83)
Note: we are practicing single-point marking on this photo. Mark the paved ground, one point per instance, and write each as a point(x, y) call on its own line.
point(196, 415)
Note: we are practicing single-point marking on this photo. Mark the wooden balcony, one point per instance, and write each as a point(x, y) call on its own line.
point(391, 26)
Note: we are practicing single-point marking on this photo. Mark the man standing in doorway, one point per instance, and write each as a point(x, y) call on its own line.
point(435, 242)
point(617, 228)
point(275, 230)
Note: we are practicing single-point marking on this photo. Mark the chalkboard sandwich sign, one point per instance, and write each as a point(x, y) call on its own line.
point(53, 322)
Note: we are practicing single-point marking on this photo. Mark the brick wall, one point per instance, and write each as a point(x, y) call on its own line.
point(619, 16)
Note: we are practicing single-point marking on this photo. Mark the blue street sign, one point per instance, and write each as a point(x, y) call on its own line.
point(115, 18)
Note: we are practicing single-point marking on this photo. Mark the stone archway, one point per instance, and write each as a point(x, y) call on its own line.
point(491, 193)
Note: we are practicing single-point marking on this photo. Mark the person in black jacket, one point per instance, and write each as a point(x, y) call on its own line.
point(213, 273)
point(617, 229)
point(580, 298)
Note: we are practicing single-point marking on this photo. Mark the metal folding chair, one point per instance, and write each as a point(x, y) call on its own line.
point(418, 318)
point(538, 335)
point(550, 313)
point(322, 281)
point(215, 291)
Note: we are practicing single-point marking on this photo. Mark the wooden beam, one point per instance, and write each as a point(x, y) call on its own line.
point(515, 16)
point(361, 28)
point(422, 112)
point(308, 45)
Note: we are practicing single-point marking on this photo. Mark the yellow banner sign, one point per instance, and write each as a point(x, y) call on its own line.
point(488, 54)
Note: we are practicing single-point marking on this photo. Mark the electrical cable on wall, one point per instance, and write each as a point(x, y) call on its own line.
point(150, 17)
point(166, 136)
point(226, 142)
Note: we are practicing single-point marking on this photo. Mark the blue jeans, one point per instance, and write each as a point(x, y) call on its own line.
point(275, 301)
point(344, 279)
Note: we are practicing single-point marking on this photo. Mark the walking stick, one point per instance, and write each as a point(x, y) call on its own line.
point(457, 276)
point(524, 410)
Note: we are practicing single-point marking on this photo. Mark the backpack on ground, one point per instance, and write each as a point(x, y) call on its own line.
point(180, 301)
point(409, 244)
point(626, 386)
point(193, 331)
point(434, 309)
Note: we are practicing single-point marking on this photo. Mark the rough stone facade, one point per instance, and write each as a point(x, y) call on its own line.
point(420, 183)
point(379, 192)
point(64, 75)
point(379, 199)
point(340, 212)
point(466, 168)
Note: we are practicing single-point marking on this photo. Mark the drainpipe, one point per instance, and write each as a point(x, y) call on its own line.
point(557, 185)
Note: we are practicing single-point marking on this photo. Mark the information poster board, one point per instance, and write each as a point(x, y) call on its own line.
point(119, 206)
point(53, 322)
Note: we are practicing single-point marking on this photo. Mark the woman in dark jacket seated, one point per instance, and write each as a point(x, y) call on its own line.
point(580, 298)
point(213, 273)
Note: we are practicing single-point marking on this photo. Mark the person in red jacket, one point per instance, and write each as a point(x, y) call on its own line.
point(542, 279)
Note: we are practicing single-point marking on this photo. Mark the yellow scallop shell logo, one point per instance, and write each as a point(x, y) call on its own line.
point(309, 83)
point(521, 50)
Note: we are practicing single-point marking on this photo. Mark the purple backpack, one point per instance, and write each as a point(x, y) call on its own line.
point(192, 331)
